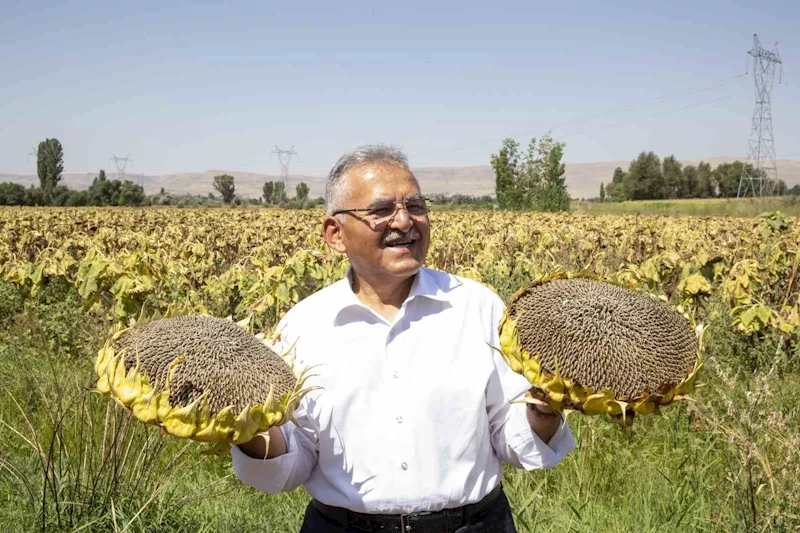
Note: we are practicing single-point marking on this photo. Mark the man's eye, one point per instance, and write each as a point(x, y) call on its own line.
point(381, 211)
point(417, 208)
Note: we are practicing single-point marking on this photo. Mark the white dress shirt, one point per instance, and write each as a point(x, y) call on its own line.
point(414, 414)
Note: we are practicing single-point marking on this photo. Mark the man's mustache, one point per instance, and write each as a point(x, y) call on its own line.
point(395, 236)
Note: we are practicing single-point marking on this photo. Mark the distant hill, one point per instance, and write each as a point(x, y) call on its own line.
point(583, 179)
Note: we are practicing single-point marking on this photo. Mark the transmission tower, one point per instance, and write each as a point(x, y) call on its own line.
point(285, 158)
point(121, 163)
point(761, 151)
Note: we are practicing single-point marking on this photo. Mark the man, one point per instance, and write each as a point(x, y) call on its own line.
point(415, 413)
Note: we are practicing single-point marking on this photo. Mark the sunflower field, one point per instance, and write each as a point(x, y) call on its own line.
point(69, 460)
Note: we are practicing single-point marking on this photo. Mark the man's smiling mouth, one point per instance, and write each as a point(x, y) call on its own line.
point(401, 243)
point(399, 239)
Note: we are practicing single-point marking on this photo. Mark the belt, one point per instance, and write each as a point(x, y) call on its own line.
point(419, 522)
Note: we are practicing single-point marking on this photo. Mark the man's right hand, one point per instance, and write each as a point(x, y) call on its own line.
point(265, 445)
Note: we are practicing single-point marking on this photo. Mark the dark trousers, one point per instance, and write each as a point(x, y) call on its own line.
point(496, 518)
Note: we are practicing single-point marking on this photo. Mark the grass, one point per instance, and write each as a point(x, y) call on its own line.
point(686, 470)
point(732, 207)
point(71, 461)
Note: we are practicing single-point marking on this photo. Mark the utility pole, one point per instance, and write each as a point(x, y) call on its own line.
point(285, 158)
point(761, 151)
point(121, 163)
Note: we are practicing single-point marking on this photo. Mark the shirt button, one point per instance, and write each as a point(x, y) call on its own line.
point(404, 466)
point(399, 419)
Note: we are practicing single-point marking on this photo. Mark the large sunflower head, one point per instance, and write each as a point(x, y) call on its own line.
point(599, 348)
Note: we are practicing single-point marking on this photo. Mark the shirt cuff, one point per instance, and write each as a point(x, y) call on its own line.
point(531, 450)
point(268, 475)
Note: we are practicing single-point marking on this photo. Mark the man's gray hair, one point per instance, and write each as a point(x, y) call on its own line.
point(337, 187)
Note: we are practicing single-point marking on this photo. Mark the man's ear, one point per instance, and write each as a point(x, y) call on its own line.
point(332, 233)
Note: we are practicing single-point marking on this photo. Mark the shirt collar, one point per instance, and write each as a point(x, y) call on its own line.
point(432, 284)
point(427, 283)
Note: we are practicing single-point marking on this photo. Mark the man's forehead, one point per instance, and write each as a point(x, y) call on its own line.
point(383, 182)
point(380, 170)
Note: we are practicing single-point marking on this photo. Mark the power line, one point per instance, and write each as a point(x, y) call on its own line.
point(667, 112)
point(762, 139)
point(121, 163)
point(581, 132)
point(285, 159)
point(718, 83)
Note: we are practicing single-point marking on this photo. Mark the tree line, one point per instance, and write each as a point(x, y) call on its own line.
point(533, 180)
point(650, 178)
point(273, 193)
point(113, 192)
point(49, 168)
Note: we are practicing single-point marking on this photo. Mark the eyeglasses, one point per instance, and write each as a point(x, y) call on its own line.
point(384, 210)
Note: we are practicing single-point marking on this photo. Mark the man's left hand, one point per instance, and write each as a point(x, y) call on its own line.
point(543, 419)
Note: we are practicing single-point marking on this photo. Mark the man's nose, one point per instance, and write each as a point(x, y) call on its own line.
point(401, 220)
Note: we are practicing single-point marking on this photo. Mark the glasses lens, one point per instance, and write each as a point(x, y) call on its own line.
point(381, 210)
point(417, 207)
point(384, 210)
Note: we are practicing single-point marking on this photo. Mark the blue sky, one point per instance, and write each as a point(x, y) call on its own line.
point(195, 87)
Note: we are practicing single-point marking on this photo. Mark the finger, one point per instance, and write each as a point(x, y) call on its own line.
point(538, 393)
point(535, 401)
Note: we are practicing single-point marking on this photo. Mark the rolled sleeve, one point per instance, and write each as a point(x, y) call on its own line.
point(513, 439)
point(283, 473)
point(526, 449)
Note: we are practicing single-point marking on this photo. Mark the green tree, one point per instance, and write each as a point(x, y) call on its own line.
point(301, 191)
point(602, 192)
point(617, 190)
point(645, 179)
point(224, 185)
point(728, 175)
point(103, 191)
point(672, 172)
point(59, 195)
point(279, 193)
point(689, 183)
point(549, 187)
point(35, 196)
point(130, 193)
point(794, 191)
point(535, 181)
point(529, 174)
point(77, 198)
point(12, 194)
point(778, 188)
point(726, 178)
point(505, 164)
point(49, 166)
point(705, 181)
point(267, 191)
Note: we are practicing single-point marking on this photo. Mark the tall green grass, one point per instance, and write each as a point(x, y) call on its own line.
point(70, 460)
point(728, 465)
point(732, 207)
